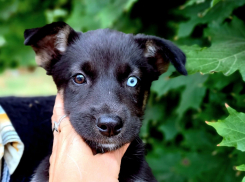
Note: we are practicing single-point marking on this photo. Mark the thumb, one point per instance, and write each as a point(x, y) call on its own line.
point(123, 149)
point(118, 154)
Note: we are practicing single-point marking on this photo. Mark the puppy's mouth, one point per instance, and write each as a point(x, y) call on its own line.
point(98, 147)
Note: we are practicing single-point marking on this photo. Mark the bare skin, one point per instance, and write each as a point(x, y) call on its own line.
point(72, 159)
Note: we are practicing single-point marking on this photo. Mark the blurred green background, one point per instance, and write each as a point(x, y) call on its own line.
point(180, 146)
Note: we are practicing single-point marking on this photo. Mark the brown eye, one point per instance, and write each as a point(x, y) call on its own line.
point(79, 79)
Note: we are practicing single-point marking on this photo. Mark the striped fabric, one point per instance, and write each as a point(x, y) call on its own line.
point(5, 174)
point(11, 147)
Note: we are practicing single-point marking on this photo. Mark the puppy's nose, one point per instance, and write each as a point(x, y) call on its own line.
point(109, 126)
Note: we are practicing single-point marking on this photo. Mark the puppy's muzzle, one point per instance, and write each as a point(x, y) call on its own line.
point(109, 125)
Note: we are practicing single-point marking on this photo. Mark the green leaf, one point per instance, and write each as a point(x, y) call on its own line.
point(192, 94)
point(112, 11)
point(129, 4)
point(197, 139)
point(153, 113)
point(202, 14)
point(232, 129)
point(169, 128)
point(163, 164)
point(214, 2)
point(241, 167)
point(227, 53)
point(164, 84)
point(16, 16)
point(97, 14)
point(218, 81)
point(54, 15)
point(192, 2)
point(177, 165)
point(8, 8)
point(194, 13)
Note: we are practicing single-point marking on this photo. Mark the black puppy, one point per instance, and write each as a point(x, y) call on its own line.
point(105, 77)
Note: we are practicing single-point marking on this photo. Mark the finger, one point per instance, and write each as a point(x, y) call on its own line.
point(115, 155)
point(120, 152)
point(58, 106)
point(83, 146)
point(123, 149)
point(58, 112)
point(59, 100)
point(53, 159)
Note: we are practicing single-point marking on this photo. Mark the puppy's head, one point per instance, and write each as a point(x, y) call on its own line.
point(105, 76)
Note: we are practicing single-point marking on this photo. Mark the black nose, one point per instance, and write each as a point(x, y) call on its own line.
point(109, 125)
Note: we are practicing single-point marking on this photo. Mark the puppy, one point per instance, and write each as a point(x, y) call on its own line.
point(105, 76)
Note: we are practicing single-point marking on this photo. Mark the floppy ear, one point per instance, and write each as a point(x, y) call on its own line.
point(50, 42)
point(159, 52)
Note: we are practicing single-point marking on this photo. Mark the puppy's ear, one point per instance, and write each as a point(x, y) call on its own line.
point(159, 52)
point(50, 42)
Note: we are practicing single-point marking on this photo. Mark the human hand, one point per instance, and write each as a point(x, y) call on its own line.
point(72, 159)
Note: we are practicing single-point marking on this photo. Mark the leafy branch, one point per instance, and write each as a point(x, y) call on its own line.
point(232, 129)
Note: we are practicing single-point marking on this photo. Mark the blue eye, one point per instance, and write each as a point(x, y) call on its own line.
point(132, 81)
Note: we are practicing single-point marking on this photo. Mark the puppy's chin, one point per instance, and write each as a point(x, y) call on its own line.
point(102, 147)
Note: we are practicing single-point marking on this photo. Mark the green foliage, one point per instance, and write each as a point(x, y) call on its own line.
point(180, 146)
point(192, 94)
point(97, 14)
point(232, 129)
point(226, 54)
point(241, 167)
point(187, 102)
point(202, 13)
point(187, 139)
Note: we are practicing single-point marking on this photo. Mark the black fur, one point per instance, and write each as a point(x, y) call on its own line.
point(107, 59)
point(31, 118)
